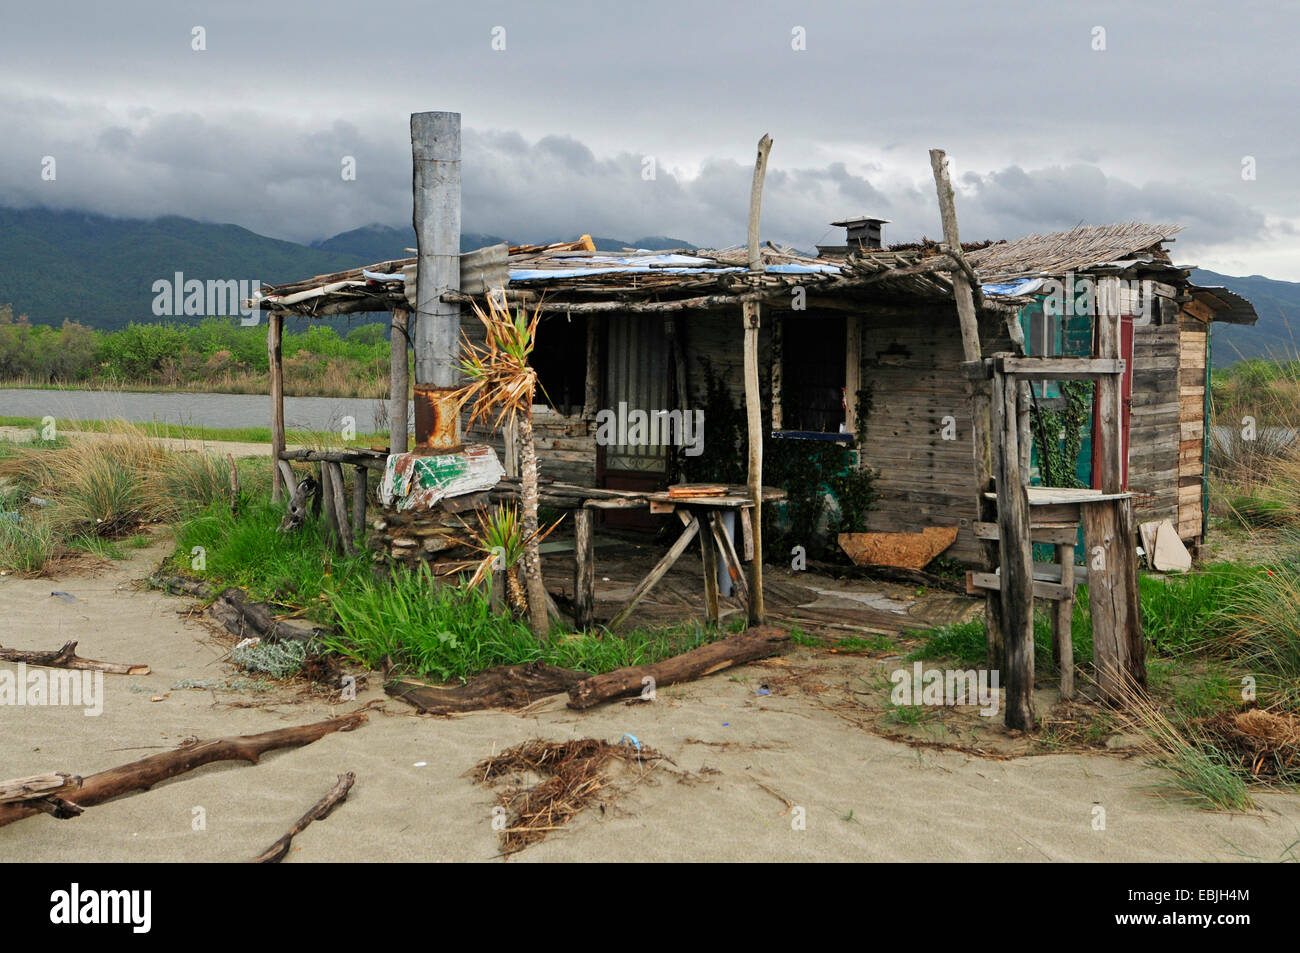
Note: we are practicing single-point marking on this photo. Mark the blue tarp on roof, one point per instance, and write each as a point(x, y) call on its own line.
point(1018, 287)
point(657, 264)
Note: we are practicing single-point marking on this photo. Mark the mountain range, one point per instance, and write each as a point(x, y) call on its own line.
point(100, 270)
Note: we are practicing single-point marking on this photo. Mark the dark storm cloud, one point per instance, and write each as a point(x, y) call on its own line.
point(1045, 130)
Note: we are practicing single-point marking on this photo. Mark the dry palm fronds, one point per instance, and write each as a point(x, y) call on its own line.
point(573, 774)
point(501, 378)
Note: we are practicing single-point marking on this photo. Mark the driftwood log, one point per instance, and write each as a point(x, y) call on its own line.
point(36, 786)
point(42, 791)
point(320, 810)
point(754, 643)
point(67, 657)
point(504, 686)
point(145, 773)
point(255, 619)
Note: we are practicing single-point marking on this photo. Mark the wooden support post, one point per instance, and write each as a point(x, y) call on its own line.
point(359, 501)
point(399, 385)
point(1062, 619)
point(753, 408)
point(646, 584)
point(1016, 558)
point(274, 355)
point(1120, 652)
point(584, 571)
point(981, 406)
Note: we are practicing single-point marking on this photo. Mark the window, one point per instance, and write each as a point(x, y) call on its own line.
point(812, 372)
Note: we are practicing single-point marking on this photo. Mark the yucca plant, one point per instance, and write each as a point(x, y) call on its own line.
point(502, 384)
point(500, 539)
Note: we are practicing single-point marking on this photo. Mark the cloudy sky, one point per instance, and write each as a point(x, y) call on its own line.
point(1053, 115)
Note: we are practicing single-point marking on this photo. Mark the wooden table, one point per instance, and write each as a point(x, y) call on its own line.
point(702, 516)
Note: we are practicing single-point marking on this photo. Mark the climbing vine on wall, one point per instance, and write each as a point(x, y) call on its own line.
point(1058, 433)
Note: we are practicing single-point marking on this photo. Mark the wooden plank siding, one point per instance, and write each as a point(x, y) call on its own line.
point(1190, 434)
point(1153, 433)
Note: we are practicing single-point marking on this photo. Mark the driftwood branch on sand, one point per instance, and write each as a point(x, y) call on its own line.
point(754, 643)
point(503, 686)
point(42, 792)
point(66, 657)
point(319, 811)
point(145, 773)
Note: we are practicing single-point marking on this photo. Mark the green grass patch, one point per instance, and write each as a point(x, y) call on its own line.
point(428, 628)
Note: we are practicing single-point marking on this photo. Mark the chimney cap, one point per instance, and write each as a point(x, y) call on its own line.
point(861, 220)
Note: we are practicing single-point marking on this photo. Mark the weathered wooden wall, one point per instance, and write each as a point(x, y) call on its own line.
point(1193, 347)
point(1154, 426)
point(910, 360)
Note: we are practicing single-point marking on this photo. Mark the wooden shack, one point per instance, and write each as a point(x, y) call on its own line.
point(870, 331)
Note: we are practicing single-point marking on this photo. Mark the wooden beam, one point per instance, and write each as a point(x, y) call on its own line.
point(992, 582)
point(1060, 368)
point(274, 355)
point(1056, 535)
point(753, 409)
point(399, 387)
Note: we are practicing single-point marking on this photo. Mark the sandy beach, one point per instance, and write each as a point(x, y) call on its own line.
point(739, 758)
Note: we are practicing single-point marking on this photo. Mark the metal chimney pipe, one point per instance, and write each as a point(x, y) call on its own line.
point(435, 164)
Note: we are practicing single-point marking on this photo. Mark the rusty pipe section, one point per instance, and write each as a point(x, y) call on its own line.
point(437, 419)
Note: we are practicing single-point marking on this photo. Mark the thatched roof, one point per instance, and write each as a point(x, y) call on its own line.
point(1080, 248)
